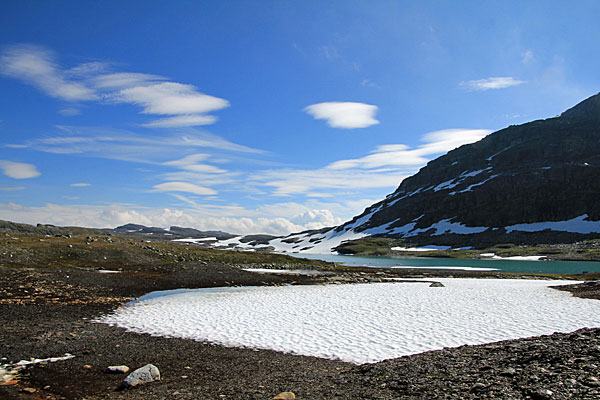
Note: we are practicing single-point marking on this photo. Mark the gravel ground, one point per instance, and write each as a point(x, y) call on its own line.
point(47, 312)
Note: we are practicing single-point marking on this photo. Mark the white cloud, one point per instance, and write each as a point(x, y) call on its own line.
point(316, 219)
point(11, 188)
point(386, 166)
point(128, 146)
point(115, 215)
point(290, 182)
point(69, 111)
point(82, 184)
point(397, 155)
point(183, 187)
point(182, 120)
point(18, 170)
point(36, 66)
point(347, 115)
point(191, 163)
point(121, 80)
point(492, 83)
point(170, 98)
point(91, 82)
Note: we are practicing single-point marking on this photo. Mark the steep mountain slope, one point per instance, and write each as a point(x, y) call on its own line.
point(540, 175)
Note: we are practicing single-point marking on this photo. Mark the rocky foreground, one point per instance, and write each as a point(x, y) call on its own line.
point(52, 287)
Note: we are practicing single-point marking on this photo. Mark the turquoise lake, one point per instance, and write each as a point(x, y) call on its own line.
point(549, 267)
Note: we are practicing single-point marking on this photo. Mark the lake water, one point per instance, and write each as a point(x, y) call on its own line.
point(549, 267)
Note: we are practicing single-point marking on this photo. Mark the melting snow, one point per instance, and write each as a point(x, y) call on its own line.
point(576, 225)
point(196, 240)
point(362, 323)
point(428, 248)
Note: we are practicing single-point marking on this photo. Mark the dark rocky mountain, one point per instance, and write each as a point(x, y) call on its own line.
point(545, 172)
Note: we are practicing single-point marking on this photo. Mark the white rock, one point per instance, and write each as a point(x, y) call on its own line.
point(117, 369)
point(148, 373)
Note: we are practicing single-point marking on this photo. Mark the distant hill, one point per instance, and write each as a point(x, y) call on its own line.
point(132, 230)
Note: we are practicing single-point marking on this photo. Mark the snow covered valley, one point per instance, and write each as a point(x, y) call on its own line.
point(362, 323)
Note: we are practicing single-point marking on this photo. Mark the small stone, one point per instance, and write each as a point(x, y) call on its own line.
point(543, 394)
point(437, 284)
point(285, 396)
point(117, 369)
point(29, 390)
point(592, 381)
point(87, 366)
point(478, 386)
point(147, 373)
point(508, 372)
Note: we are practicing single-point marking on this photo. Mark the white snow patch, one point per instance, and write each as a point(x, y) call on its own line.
point(575, 225)
point(501, 151)
point(107, 271)
point(428, 248)
point(521, 258)
point(446, 185)
point(363, 323)
point(287, 271)
point(468, 189)
point(474, 173)
point(195, 240)
point(9, 372)
point(451, 268)
point(324, 245)
point(445, 226)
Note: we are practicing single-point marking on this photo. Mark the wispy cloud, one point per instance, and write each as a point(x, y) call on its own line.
point(192, 163)
point(82, 184)
point(94, 81)
point(129, 146)
point(386, 166)
point(347, 115)
point(527, 57)
point(17, 170)
point(170, 98)
point(69, 111)
point(11, 188)
point(500, 82)
point(181, 120)
point(183, 187)
point(401, 155)
point(36, 66)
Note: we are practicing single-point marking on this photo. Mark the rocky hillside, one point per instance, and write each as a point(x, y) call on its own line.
point(542, 177)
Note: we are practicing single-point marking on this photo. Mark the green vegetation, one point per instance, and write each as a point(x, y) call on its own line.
point(588, 250)
point(112, 252)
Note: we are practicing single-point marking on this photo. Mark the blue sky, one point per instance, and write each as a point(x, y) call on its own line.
point(264, 116)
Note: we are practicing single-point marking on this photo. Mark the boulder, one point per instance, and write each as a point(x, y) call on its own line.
point(148, 373)
point(437, 284)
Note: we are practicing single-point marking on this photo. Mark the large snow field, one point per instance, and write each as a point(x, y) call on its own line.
point(362, 323)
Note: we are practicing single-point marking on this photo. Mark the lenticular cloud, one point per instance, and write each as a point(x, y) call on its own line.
point(348, 115)
point(364, 322)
